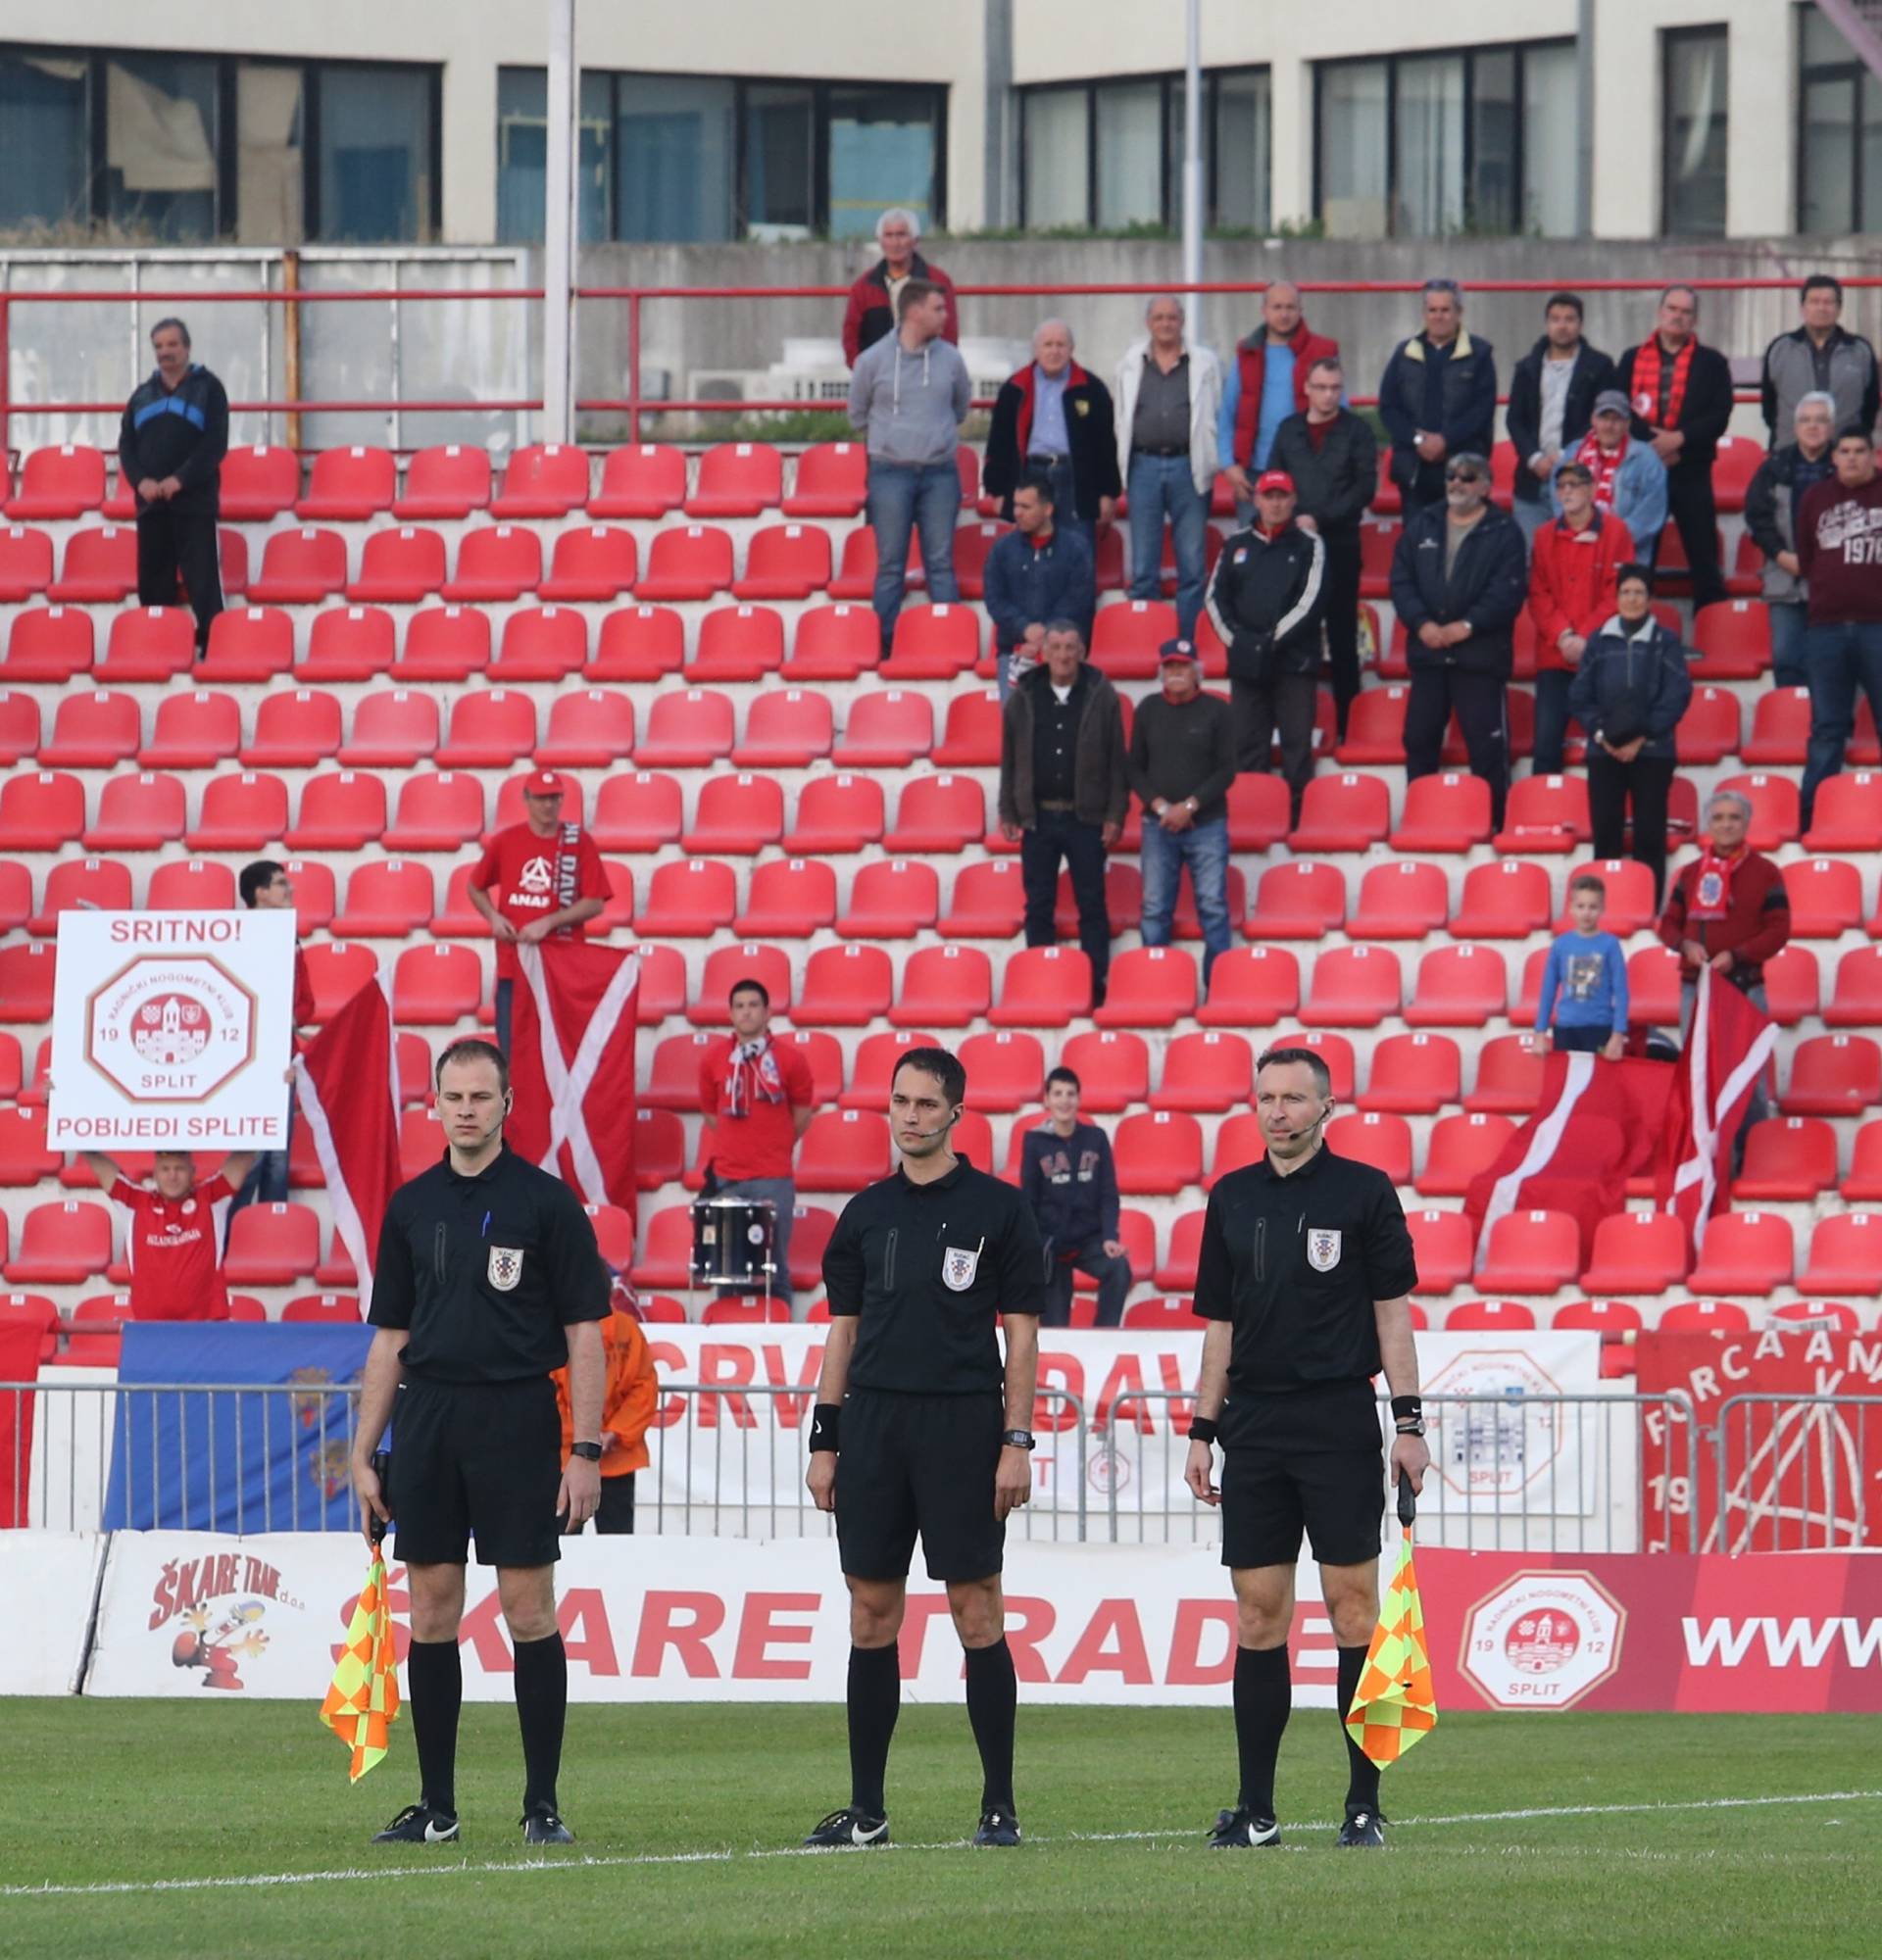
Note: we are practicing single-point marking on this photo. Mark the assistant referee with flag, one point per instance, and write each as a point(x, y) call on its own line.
point(1304, 1275)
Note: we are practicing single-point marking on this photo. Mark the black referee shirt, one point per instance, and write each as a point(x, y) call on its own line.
point(487, 1271)
point(926, 1268)
point(1296, 1264)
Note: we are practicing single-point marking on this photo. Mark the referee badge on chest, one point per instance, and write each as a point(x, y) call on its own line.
point(505, 1268)
point(1323, 1249)
point(959, 1266)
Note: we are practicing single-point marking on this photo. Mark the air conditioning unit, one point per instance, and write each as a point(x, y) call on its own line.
point(721, 384)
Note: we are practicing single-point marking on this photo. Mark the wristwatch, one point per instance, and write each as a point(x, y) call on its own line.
point(589, 1452)
point(1413, 1428)
point(1017, 1439)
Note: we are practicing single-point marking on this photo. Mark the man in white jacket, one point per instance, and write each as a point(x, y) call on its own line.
point(1168, 396)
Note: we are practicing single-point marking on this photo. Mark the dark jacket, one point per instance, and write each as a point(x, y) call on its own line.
point(1781, 484)
point(180, 432)
point(1266, 600)
point(1488, 585)
point(1593, 371)
point(1336, 483)
point(1182, 752)
point(1790, 373)
point(1703, 415)
point(868, 316)
point(1090, 430)
point(1635, 683)
point(1028, 585)
point(1101, 795)
point(1072, 1185)
point(1469, 399)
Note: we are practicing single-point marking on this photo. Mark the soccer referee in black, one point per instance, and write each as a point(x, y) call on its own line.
point(487, 1279)
point(1303, 1276)
point(920, 1427)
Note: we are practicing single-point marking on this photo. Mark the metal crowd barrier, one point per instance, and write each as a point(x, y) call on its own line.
point(1793, 1473)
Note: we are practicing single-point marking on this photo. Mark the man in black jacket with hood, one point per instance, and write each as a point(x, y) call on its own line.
point(1552, 404)
point(170, 447)
point(1460, 578)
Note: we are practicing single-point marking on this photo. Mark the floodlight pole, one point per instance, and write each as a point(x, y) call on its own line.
point(1193, 167)
point(558, 229)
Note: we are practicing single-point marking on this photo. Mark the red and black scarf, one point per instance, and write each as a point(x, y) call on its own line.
point(1648, 358)
point(1712, 894)
point(752, 1076)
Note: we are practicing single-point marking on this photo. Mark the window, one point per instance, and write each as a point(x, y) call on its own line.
point(1355, 118)
point(1551, 135)
point(1110, 154)
point(44, 139)
point(270, 156)
point(522, 149)
point(160, 146)
point(377, 153)
point(1429, 147)
point(1839, 133)
point(1692, 132)
point(883, 151)
point(675, 147)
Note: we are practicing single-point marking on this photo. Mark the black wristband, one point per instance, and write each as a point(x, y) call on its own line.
point(1407, 1409)
point(1201, 1429)
point(825, 1417)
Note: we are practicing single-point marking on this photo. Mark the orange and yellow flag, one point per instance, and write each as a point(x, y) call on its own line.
point(1395, 1703)
point(364, 1695)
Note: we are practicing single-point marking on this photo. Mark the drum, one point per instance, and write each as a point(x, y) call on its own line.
point(732, 1242)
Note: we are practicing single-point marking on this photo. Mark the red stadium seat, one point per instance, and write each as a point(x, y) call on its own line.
point(1112, 1068)
point(832, 480)
point(62, 1243)
point(856, 575)
point(617, 913)
point(1834, 1316)
point(1775, 815)
point(1149, 987)
point(1745, 1253)
point(25, 1159)
point(660, 1156)
point(1631, 895)
point(943, 813)
point(547, 643)
point(336, 973)
point(737, 643)
point(1458, 987)
point(272, 1245)
point(1300, 899)
point(1375, 729)
point(392, 729)
point(1530, 1253)
point(833, 643)
point(26, 564)
point(640, 643)
point(61, 483)
point(543, 480)
point(1833, 1075)
point(600, 561)
point(1372, 1138)
point(1441, 1245)
point(26, 983)
point(1780, 727)
point(1444, 814)
point(196, 730)
point(1124, 638)
point(1402, 900)
point(638, 811)
point(1212, 1071)
point(1693, 1316)
point(1508, 898)
point(1490, 1316)
point(738, 815)
point(664, 1255)
point(843, 1151)
point(672, 1081)
point(1176, 1270)
point(460, 919)
point(248, 643)
point(891, 899)
point(1857, 1001)
point(1848, 814)
point(785, 728)
point(887, 728)
point(835, 816)
point(398, 568)
point(1845, 1257)
point(300, 567)
point(1124, 902)
point(1788, 1160)
point(138, 812)
point(348, 485)
point(339, 811)
point(1343, 813)
point(239, 812)
point(1251, 986)
point(592, 729)
point(771, 965)
point(1353, 987)
point(1006, 1070)
point(94, 884)
point(257, 482)
point(1377, 543)
point(737, 479)
point(785, 561)
point(322, 1309)
point(844, 987)
point(971, 738)
point(1637, 1252)
point(1863, 1184)
point(789, 898)
point(688, 562)
point(877, 1057)
point(662, 984)
point(498, 561)
point(933, 643)
point(1709, 730)
point(450, 481)
point(436, 985)
point(1412, 1074)
point(643, 479)
point(689, 898)
point(1040, 987)
point(1653, 988)
point(1545, 813)
point(971, 544)
point(1238, 1143)
point(492, 728)
point(148, 643)
point(1157, 1155)
point(688, 729)
point(193, 885)
point(1793, 986)
point(48, 643)
point(1826, 897)
point(95, 730)
point(15, 907)
point(986, 902)
point(20, 726)
point(1458, 1150)
point(349, 643)
point(385, 899)
point(946, 987)
point(1508, 1077)
point(1733, 641)
point(40, 810)
point(99, 566)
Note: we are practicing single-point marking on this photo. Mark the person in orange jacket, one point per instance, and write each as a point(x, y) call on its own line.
point(627, 1407)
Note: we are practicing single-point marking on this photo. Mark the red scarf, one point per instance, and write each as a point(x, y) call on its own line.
point(752, 1076)
point(1647, 358)
point(1604, 468)
point(1712, 893)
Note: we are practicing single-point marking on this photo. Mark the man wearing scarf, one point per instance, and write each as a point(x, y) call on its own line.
point(1681, 397)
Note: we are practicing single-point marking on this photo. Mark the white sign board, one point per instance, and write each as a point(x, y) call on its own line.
point(172, 1031)
point(53, 1577)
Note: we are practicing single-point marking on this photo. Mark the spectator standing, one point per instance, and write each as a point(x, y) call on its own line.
point(1056, 418)
point(1572, 569)
point(1839, 550)
point(1681, 395)
point(170, 447)
point(908, 398)
point(1333, 457)
point(1181, 764)
point(1772, 499)
point(629, 1391)
point(876, 299)
point(1169, 402)
point(1062, 790)
point(264, 887)
point(1583, 1004)
point(1820, 356)
point(1036, 572)
point(1266, 600)
point(1459, 580)
point(1552, 402)
point(1629, 479)
point(174, 1243)
point(1264, 384)
point(757, 1100)
point(1438, 398)
point(1069, 1181)
point(538, 882)
point(1630, 688)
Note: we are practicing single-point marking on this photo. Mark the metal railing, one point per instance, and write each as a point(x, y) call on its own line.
point(1792, 1472)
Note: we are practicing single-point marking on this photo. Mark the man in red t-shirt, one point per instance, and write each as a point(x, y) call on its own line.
point(264, 887)
point(174, 1243)
point(758, 1099)
point(538, 881)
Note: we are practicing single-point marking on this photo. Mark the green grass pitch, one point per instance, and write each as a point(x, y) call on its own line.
point(160, 1828)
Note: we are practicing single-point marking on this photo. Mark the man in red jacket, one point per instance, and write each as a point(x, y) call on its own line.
point(1264, 384)
point(874, 309)
point(1839, 552)
point(1572, 594)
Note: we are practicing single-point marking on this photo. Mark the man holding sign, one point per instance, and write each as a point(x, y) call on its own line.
point(174, 1243)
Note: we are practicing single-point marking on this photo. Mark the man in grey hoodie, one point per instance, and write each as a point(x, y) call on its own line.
point(908, 398)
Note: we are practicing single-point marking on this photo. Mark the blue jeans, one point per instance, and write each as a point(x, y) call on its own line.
point(1790, 620)
point(1203, 848)
point(1552, 721)
point(1161, 486)
point(903, 496)
point(267, 1179)
point(506, 990)
point(1838, 659)
point(1088, 1256)
point(782, 1193)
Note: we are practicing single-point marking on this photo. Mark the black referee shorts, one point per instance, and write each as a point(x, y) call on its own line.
point(1310, 1462)
point(920, 1463)
point(476, 1458)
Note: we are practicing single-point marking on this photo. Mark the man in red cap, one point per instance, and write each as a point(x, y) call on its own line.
point(1266, 599)
point(539, 881)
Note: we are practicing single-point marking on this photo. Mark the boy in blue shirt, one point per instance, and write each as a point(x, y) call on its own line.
point(1584, 986)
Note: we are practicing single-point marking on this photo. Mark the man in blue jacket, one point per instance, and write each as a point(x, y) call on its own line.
point(1070, 1183)
point(1034, 573)
point(1459, 578)
point(1438, 397)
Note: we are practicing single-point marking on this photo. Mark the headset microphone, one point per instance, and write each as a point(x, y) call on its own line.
point(927, 1136)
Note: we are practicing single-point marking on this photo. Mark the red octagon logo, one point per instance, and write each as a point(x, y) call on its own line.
point(171, 1027)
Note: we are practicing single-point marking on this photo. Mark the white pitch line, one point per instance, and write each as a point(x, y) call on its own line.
point(516, 1867)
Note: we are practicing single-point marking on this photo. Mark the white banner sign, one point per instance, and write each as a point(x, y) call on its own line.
point(51, 1576)
point(172, 1031)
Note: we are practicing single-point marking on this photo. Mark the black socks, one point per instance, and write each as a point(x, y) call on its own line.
point(1264, 1693)
point(1362, 1783)
point(993, 1696)
point(874, 1701)
point(542, 1703)
point(435, 1681)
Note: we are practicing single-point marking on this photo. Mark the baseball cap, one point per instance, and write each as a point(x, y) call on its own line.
point(543, 783)
point(1176, 650)
point(1610, 401)
point(1274, 479)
